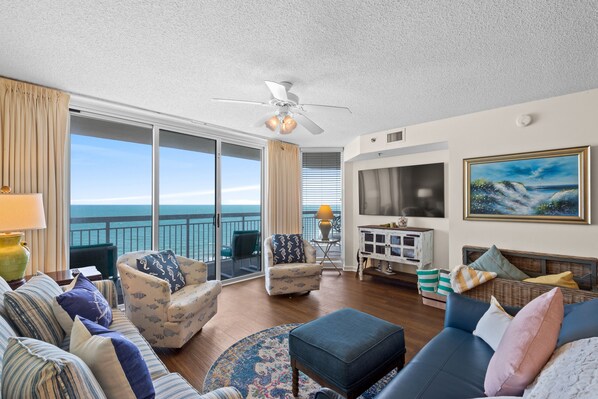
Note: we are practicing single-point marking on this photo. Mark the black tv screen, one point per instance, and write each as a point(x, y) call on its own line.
point(403, 191)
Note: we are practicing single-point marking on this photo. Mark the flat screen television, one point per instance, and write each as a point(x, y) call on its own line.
point(403, 191)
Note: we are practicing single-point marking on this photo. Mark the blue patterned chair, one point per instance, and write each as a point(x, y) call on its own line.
point(289, 278)
point(164, 319)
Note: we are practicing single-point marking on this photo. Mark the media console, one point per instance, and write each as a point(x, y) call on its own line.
point(408, 246)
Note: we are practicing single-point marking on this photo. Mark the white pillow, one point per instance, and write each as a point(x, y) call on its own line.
point(493, 324)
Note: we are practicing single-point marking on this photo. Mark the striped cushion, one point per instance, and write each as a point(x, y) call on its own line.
point(36, 369)
point(30, 309)
point(464, 278)
point(173, 386)
point(444, 283)
point(427, 280)
point(4, 287)
point(6, 331)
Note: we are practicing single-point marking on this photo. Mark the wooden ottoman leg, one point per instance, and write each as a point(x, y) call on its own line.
point(295, 378)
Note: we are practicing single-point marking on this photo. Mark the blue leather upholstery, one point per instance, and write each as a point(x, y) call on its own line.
point(580, 322)
point(359, 346)
point(452, 365)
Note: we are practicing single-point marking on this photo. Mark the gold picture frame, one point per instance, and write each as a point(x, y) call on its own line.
point(550, 186)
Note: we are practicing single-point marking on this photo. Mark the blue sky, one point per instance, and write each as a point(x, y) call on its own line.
point(530, 172)
point(110, 172)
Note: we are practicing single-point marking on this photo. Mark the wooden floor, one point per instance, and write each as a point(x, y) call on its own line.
point(245, 308)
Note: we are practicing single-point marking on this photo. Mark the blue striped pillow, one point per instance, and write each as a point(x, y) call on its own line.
point(115, 361)
point(30, 309)
point(36, 369)
point(6, 331)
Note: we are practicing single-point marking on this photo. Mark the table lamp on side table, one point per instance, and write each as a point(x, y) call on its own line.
point(17, 212)
point(325, 214)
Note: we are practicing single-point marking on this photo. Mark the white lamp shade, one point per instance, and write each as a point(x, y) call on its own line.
point(20, 212)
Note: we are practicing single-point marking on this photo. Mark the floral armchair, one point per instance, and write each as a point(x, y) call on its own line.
point(168, 319)
point(289, 278)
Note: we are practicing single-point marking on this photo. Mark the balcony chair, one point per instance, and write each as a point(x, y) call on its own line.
point(102, 256)
point(164, 319)
point(289, 278)
point(244, 246)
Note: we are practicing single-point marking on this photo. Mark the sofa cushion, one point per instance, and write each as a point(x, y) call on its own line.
point(4, 287)
point(30, 309)
point(187, 302)
point(493, 324)
point(288, 248)
point(36, 369)
point(493, 261)
point(115, 361)
point(451, 366)
point(580, 322)
point(163, 265)
point(6, 331)
point(81, 298)
point(173, 386)
point(526, 346)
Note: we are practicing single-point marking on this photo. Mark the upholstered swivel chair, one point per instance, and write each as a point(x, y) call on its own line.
point(164, 319)
point(289, 278)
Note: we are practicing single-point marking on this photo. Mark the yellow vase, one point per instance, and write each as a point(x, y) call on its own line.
point(14, 256)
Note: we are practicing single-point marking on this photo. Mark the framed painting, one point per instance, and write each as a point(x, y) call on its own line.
point(544, 186)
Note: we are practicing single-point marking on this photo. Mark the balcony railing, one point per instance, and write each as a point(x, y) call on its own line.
point(192, 236)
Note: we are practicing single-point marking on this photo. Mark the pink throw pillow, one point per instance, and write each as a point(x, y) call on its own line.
point(526, 345)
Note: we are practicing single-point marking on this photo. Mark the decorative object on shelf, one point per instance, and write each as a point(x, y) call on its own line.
point(544, 186)
point(325, 215)
point(17, 212)
point(402, 221)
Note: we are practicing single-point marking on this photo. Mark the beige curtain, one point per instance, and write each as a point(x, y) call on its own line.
point(284, 188)
point(33, 137)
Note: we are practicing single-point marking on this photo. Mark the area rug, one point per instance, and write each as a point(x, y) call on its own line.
point(259, 367)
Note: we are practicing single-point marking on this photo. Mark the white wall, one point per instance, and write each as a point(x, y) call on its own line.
point(559, 122)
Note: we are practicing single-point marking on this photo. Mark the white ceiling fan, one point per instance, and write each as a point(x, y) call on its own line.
point(289, 112)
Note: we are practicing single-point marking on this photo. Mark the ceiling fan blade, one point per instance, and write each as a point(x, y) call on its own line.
point(278, 91)
point(308, 124)
point(230, 100)
point(345, 109)
point(263, 120)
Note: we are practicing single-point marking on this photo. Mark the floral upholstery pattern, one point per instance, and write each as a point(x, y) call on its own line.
point(168, 319)
point(288, 278)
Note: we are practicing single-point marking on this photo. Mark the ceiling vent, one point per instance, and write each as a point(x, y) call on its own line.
point(396, 136)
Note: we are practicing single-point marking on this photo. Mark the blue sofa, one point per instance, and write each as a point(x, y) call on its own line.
point(453, 364)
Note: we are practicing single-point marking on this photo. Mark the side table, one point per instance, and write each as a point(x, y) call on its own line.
point(65, 277)
point(325, 246)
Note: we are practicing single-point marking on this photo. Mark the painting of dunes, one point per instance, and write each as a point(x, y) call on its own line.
point(540, 186)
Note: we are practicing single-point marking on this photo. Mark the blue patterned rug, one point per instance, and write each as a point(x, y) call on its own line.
point(259, 367)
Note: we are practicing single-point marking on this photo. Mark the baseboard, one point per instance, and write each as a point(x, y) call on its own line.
point(349, 268)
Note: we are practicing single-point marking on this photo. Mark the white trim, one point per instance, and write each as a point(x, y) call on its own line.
point(155, 188)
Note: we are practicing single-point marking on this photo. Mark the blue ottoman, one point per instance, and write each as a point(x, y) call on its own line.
point(348, 351)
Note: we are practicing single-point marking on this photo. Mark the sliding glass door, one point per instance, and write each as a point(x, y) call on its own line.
point(139, 187)
point(187, 200)
point(241, 171)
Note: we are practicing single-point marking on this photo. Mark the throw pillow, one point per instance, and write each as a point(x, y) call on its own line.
point(36, 369)
point(115, 361)
point(493, 261)
point(163, 265)
point(30, 309)
point(288, 248)
point(81, 298)
point(564, 279)
point(444, 283)
point(464, 278)
point(6, 331)
point(493, 324)
point(580, 322)
point(526, 345)
point(427, 280)
point(569, 374)
point(4, 287)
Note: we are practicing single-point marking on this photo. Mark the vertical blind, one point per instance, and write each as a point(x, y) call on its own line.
point(321, 180)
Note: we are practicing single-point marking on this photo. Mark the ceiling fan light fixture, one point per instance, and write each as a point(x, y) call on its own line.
point(288, 125)
point(273, 123)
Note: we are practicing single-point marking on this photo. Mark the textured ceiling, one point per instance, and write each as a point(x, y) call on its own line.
point(394, 63)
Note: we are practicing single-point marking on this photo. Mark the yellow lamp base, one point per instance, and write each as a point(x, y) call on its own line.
point(14, 256)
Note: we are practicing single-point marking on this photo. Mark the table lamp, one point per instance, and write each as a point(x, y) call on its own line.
point(325, 214)
point(18, 212)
